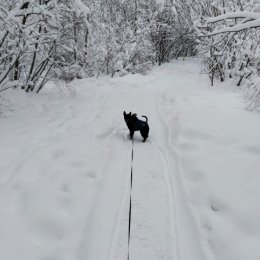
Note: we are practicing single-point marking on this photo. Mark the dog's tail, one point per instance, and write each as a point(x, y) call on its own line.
point(145, 118)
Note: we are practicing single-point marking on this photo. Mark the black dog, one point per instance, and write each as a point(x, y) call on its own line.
point(135, 124)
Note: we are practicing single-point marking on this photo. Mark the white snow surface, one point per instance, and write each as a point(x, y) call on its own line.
point(66, 160)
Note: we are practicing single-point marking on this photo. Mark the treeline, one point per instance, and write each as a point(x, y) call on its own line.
point(66, 39)
point(229, 35)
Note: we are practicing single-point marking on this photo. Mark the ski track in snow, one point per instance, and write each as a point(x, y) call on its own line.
point(67, 183)
point(186, 229)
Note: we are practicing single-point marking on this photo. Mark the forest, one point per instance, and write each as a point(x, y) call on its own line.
point(83, 83)
point(43, 40)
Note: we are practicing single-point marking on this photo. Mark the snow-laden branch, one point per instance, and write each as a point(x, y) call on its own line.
point(233, 15)
point(251, 20)
point(81, 8)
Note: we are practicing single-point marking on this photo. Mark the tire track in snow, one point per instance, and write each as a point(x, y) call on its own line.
point(188, 234)
point(121, 223)
point(171, 200)
point(102, 225)
point(151, 228)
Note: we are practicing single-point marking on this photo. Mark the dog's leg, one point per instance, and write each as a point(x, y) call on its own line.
point(131, 135)
point(144, 133)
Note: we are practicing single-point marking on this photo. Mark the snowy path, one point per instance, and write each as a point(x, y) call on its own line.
point(66, 161)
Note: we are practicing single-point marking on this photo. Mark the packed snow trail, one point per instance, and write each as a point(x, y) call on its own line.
point(66, 161)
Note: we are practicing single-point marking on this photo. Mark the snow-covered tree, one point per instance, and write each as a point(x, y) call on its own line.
point(67, 39)
point(28, 41)
point(230, 42)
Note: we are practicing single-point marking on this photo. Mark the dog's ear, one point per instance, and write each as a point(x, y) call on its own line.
point(124, 113)
point(130, 113)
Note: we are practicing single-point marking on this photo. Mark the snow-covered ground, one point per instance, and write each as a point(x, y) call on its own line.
point(66, 160)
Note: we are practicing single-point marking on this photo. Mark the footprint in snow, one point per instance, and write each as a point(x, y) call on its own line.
point(57, 154)
point(255, 150)
point(195, 134)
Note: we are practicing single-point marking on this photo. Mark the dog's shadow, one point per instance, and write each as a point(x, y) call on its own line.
point(123, 136)
point(136, 138)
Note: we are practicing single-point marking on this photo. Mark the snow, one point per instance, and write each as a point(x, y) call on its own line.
point(66, 160)
point(82, 8)
point(233, 15)
point(252, 21)
point(239, 27)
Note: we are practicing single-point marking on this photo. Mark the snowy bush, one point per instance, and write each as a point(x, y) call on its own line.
point(230, 45)
point(68, 73)
point(67, 39)
point(252, 93)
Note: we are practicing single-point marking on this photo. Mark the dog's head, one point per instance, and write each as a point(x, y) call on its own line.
point(127, 117)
